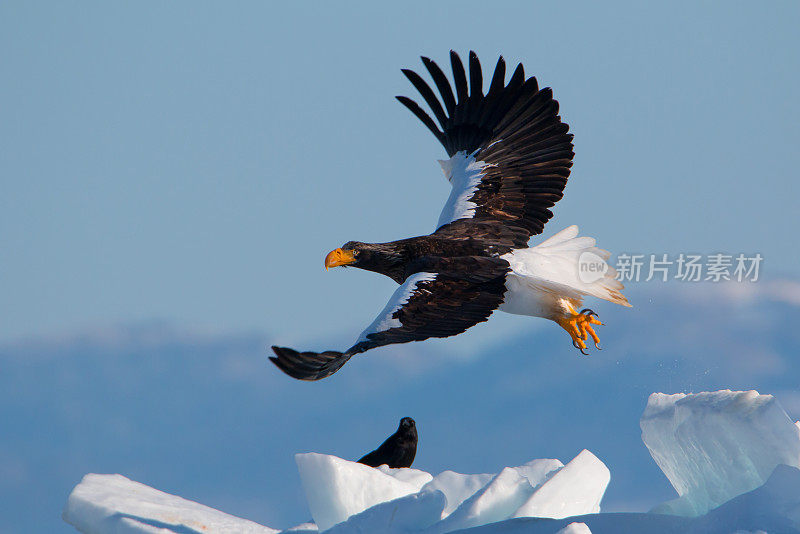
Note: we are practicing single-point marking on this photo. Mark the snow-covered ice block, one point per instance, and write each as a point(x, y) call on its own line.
point(302, 528)
point(415, 477)
point(104, 504)
point(773, 507)
point(538, 471)
point(575, 489)
point(456, 487)
point(411, 513)
point(496, 501)
point(575, 528)
point(603, 523)
point(336, 488)
point(713, 446)
point(513, 492)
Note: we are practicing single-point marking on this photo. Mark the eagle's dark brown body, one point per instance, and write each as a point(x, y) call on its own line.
point(400, 259)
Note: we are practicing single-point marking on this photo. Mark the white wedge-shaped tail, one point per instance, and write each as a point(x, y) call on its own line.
point(547, 279)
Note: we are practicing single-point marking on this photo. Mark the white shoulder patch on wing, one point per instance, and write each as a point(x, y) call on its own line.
point(464, 173)
point(384, 321)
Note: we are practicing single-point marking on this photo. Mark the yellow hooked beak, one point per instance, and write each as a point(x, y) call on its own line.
point(338, 257)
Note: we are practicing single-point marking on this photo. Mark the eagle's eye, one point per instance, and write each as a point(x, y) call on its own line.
point(355, 253)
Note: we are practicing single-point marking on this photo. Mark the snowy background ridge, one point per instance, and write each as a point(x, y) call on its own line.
point(205, 416)
point(732, 456)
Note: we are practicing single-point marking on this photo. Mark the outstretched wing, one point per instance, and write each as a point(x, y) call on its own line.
point(510, 154)
point(442, 302)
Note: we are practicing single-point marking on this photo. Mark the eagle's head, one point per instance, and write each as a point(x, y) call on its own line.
point(352, 253)
point(378, 257)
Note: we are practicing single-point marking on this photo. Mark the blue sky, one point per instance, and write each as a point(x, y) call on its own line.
point(195, 161)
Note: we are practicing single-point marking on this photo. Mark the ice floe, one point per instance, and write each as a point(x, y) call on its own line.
point(713, 446)
point(732, 456)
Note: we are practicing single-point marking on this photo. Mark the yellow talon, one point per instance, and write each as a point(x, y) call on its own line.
point(579, 327)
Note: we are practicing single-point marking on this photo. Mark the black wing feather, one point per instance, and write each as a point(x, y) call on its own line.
point(459, 77)
point(442, 84)
point(445, 307)
point(426, 92)
point(308, 365)
point(516, 130)
point(499, 77)
point(465, 292)
point(475, 77)
point(421, 115)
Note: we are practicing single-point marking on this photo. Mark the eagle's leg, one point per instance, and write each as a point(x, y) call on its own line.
point(579, 327)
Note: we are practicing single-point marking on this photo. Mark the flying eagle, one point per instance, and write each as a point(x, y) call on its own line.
point(510, 157)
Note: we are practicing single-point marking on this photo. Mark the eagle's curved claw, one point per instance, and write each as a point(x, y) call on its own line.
point(582, 349)
point(579, 327)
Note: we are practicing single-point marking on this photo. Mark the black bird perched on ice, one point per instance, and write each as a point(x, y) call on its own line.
point(398, 450)
point(510, 157)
